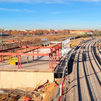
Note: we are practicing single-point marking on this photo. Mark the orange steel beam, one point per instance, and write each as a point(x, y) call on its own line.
point(31, 49)
point(25, 46)
point(55, 53)
point(9, 49)
point(23, 54)
point(36, 47)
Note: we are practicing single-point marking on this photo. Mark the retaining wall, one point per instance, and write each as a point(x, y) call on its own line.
point(13, 79)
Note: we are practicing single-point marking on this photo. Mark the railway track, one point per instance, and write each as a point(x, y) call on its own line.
point(85, 79)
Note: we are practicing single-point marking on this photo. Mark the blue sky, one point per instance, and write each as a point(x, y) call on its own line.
point(50, 14)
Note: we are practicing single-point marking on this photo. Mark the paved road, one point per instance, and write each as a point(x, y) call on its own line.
point(84, 82)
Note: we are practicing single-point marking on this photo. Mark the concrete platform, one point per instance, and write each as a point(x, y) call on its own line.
point(38, 65)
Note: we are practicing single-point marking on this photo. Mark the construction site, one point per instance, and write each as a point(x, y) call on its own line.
point(26, 64)
point(50, 70)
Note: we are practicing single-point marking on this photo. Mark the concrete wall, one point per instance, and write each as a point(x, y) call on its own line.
point(65, 46)
point(14, 79)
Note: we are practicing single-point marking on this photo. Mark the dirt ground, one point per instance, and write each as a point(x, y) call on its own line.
point(76, 42)
point(42, 93)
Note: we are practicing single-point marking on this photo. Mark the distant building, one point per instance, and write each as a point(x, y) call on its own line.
point(3, 34)
point(90, 33)
point(45, 42)
point(44, 39)
point(81, 31)
point(65, 46)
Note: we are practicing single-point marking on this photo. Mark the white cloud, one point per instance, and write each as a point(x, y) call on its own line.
point(88, 0)
point(48, 1)
point(57, 12)
point(17, 10)
point(6, 9)
point(13, 0)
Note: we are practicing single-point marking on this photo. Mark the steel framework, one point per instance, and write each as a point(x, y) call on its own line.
point(28, 48)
